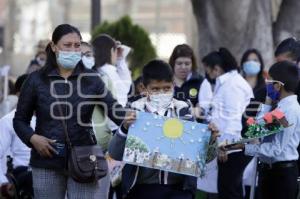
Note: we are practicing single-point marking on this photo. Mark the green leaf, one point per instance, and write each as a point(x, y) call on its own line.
point(132, 35)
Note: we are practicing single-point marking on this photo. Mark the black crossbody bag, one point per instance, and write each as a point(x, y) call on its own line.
point(86, 164)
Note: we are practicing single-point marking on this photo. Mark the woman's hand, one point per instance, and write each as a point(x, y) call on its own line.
point(120, 50)
point(130, 118)
point(214, 132)
point(43, 145)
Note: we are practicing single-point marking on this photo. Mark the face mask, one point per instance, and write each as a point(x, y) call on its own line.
point(41, 62)
point(88, 62)
point(161, 100)
point(68, 60)
point(272, 93)
point(251, 67)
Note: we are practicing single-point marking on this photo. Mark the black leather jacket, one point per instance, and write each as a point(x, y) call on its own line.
point(77, 96)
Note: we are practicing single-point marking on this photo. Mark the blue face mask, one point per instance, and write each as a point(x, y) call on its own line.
point(251, 68)
point(68, 60)
point(272, 93)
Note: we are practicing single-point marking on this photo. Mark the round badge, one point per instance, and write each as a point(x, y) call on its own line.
point(193, 92)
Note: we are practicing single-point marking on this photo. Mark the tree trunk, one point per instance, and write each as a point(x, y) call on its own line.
point(288, 20)
point(236, 25)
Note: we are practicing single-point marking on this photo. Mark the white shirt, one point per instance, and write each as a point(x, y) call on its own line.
point(205, 96)
point(283, 145)
point(231, 96)
point(121, 79)
point(10, 144)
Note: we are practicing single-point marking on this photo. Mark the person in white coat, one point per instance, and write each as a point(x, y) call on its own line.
point(11, 145)
point(231, 96)
point(110, 58)
point(110, 62)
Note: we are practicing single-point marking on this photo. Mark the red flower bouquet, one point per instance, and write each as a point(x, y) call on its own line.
point(273, 122)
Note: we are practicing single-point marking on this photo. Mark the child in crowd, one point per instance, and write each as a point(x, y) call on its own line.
point(278, 153)
point(140, 182)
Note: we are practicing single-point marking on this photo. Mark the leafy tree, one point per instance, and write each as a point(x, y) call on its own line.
point(132, 35)
point(136, 143)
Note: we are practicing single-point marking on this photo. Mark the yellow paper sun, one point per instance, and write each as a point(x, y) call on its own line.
point(173, 128)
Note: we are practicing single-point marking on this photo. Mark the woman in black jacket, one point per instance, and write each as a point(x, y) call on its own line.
point(64, 82)
point(252, 66)
point(186, 79)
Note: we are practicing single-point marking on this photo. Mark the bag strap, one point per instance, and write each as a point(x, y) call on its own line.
point(62, 120)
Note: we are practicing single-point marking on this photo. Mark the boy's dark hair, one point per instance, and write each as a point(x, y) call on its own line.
point(223, 58)
point(290, 47)
point(20, 81)
point(287, 73)
point(157, 70)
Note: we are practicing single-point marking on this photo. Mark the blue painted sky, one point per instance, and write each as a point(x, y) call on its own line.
point(148, 127)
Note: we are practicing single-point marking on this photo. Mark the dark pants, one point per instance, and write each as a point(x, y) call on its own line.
point(248, 193)
point(230, 176)
point(278, 183)
point(156, 191)
point(115, 190)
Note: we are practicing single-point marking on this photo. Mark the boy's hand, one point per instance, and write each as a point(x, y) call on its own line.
point(222, 154)
point(197, 112)
point(130, 118)
point(222, 151)
point(214, 132)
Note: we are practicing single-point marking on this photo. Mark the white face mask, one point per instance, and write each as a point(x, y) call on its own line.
point(161, 100)
point(88, 62)
point(41, 62)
